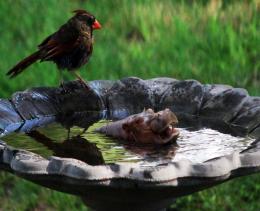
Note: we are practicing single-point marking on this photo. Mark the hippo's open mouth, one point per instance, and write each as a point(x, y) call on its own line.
point(168, 133)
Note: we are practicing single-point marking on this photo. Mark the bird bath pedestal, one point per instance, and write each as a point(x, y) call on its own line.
point(130, 186)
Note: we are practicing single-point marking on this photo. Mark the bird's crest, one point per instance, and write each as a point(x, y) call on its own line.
point(80, 12)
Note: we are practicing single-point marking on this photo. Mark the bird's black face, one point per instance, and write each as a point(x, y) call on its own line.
point(88, 19)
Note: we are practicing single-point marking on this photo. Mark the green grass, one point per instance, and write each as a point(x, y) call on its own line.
point(18, 194)
point(204, 40)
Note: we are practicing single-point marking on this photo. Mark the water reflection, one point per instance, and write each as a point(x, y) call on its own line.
point(76, 147)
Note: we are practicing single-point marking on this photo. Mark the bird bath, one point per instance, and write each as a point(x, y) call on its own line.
point(219, 140)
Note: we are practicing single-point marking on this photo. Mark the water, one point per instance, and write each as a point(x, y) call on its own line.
point(205, 144)
point(93, 148)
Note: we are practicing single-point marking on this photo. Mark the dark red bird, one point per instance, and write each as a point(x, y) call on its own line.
point(70, 47)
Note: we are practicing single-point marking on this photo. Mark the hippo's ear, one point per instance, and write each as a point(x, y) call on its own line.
point(149, 111)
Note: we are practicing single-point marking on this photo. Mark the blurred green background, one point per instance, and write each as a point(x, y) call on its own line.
point(213, 41)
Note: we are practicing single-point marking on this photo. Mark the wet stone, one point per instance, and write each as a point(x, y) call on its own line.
point(223, 104)
point(250, 103)
point(212, 90)
point(255, 146)
point(36, 123)
point(35, 103)
point(69, 104)
point(37, 106)
point(101, 86)
point(25, 161)
point(183, 97)
point(10, 120)
point(249, 115)
point(8, 154)
point(158, 87)
point(256, 132)
point(128, 96)
point(66, 166)
point(2, 147)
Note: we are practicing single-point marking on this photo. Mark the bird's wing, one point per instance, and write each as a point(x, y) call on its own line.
point(62, 41)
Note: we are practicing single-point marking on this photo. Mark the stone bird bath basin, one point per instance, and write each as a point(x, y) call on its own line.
point(129, 185)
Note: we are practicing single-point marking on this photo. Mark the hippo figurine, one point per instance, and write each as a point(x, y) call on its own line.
point(147, 127)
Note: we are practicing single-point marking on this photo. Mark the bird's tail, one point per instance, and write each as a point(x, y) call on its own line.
point(22, 65)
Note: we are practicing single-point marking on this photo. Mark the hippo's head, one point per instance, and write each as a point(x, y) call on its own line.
point(151, 127)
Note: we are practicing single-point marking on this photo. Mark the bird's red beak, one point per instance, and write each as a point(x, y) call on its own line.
point(96, 25)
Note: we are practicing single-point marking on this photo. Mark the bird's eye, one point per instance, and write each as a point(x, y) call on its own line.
point(91, 20)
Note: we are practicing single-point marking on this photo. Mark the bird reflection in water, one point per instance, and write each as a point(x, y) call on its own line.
point(76, 147)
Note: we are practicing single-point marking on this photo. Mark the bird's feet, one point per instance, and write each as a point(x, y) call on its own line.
point(82, 81)
point(63, 86)
point(85, 84)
